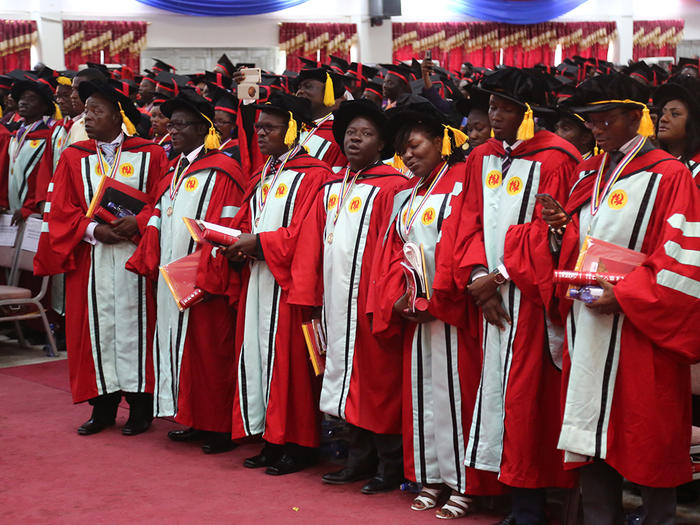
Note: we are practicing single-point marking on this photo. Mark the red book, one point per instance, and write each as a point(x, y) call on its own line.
point(114, 200)
point(180, 276)
point(202, 231)
point(601, 258)
point(315, 344)
point(574, 277)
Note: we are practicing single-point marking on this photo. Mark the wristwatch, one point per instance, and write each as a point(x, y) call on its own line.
point(498, 277)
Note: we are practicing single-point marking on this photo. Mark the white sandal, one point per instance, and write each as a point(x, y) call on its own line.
point(456, 506)
point(426, 499)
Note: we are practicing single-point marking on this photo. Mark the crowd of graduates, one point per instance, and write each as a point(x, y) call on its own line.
point(492, 380)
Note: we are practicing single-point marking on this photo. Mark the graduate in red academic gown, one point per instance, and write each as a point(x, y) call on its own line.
point(193, 349)
point(24, 185)
point(322, 88)
point(332, 269)
point(109, 311)
point(516, 417)
point(277, 392)
point(678, 130)
point(627, 411)
point(442, 361)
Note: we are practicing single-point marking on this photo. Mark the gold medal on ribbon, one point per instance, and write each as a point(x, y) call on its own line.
point(329, 239)
point(169, 211)
point(257, 222)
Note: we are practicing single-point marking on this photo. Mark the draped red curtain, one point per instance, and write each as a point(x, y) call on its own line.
point(656, 38)
point(16, 38)
point(480, 43)
point(87, 40)
point(316, 41)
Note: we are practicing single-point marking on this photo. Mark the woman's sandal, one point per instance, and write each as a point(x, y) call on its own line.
point(455, 507)
point(427, 498)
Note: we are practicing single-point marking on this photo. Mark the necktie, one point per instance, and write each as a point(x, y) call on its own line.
point(615, 158)
point(182, 167)
point(108, 150)
point(507, 161)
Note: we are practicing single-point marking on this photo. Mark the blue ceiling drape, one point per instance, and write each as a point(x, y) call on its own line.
point(514, 11)
point(222, 7)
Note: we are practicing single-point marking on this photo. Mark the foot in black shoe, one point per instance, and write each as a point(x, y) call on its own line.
point(286, 465)
point(93, 426)
point(136, 426)
point(508, 520)
point(269, 455)
point(218, 443)
point(380, 484)
point(346, 475)
point(189, 434)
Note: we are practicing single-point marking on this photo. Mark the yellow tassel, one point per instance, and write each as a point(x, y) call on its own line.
point(646, 126)
point(130, 128)
point(460, 137)
point(213, 140)
point(291, 134)
point(64, 81)
point(446, 143)
point(596, 150)
point(57, 115)
point(328, 95)
point(493, 135)
point(527, 127)
point(398, 164)
point(0, 111)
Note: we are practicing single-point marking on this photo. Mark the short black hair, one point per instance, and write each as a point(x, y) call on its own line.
point(91, 74)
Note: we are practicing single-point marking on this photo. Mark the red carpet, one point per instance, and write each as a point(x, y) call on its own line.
point(50, 474)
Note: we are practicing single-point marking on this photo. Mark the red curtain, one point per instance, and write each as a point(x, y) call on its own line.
point(480, 43)
point(16, 38)
point(656, 38)
point(87, 40)
point(316, 42)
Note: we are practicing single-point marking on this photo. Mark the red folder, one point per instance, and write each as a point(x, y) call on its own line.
point(180, 276)
point(203, 231)
point(114, 200)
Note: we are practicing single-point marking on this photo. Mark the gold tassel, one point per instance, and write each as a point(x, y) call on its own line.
point(328, 95)
point(213, 140)
point(130, 128)
point(0, 111)
point(446, 142)
point(596, 150)
point(57, 115)
point(398, 164)
point(460, 137)
point(646, 126)
point(493, 135)
point(527, 127)
point(291, 134)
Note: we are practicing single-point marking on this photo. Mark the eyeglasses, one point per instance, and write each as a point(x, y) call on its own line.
point(175, 125)
point(266, 128)
point(602, 124)
point(223, 122)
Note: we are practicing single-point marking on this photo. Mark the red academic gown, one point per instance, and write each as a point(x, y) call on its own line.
point(23, 186)
point(441, 361)
point(277, 391)
point(193, 355)
point(645, 433)
point(332, 269)
point(322, 145)
point(516, 416)
point(108, 334)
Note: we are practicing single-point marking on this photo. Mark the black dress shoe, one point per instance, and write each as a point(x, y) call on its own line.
point(136, 426)
point(286, 465)
point(93, 426)
point(380, 484)
point(346, 475)
point(508, 520)
point(189, 434)
point(269, 455)
point(217, 443)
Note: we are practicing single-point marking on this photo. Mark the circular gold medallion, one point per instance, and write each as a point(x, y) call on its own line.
point(257, 222)
point(169, 211)
point(329, 239)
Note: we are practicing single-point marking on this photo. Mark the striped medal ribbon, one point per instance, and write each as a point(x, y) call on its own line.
point(411, 216)
point(598, 197)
